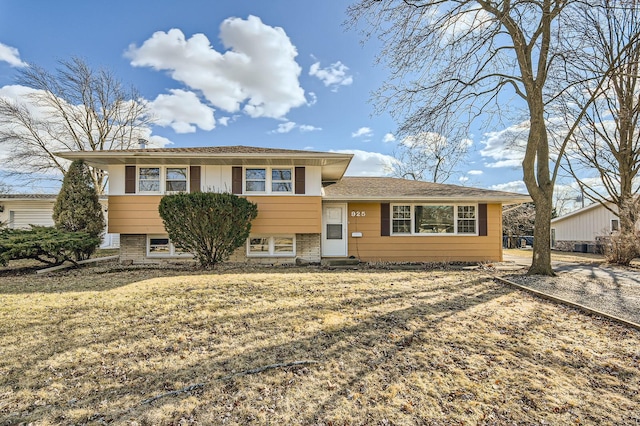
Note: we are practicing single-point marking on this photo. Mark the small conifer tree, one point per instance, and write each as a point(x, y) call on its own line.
point(77, 207)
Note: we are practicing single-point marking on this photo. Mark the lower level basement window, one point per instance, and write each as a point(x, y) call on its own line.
point(264, 246)
point(161, 246)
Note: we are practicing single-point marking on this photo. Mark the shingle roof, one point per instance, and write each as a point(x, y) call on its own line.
point(28, 196)
point(332, 164)
point(387, 188)
point(236, 149)
point(35, 197)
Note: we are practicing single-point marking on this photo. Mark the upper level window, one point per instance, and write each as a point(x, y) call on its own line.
point(176, 179)
point(425, 219)
point(281, 180)
point(149, 179)
point(255, 180)
point(263, 179)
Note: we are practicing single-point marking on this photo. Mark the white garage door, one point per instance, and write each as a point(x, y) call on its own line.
point(24, 218)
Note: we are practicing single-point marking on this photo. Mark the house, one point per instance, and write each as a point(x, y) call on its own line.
point(23, 210)
point(307, 209)
point(584, 230)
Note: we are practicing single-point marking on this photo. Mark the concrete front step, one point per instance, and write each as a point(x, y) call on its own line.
point(339, 261)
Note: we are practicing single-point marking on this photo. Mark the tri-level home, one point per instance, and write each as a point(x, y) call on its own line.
point(307, 209)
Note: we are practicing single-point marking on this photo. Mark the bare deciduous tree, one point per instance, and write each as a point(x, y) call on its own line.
point(604, 156)
point(473, 57)
point(430, 157)
point(74, 108)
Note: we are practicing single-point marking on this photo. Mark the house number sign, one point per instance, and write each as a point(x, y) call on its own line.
point(358, 213)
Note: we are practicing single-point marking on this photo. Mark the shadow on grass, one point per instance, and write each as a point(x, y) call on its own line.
point(327, 345)
point(390, 321)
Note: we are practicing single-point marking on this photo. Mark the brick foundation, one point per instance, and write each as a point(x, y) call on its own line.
point(133, 249)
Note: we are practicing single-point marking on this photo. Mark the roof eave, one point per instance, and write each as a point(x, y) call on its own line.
point(395, 198)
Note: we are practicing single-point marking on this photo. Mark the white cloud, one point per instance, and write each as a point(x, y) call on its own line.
point(469, 21)
point(475, 172)
point(313, 99)
point(11, 56)
point(309, 128)
point(284, 127)
point(513, 186)
point(290, 125)
point(389, 137)
point(506, 146)
point(366, 163)
point(362, 132)
point(183, 111)
point(257, 74)
point(333, 76)
point(224, 121)
point(463, 179)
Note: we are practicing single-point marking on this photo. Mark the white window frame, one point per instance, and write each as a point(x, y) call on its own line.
point(162, 185)
point(268, 180)
point(139, 179)
point(167, 180)
point(282, 181)
point(271, 245)
point(615, 228)
point(172, 248)
point(456, 218)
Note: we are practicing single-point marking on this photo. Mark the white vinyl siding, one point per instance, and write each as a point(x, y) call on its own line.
point(584, 225)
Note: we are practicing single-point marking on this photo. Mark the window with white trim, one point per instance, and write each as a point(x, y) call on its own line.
point(401, 221)
point(176, 179)
point(467, 219)
point(615, 225)
point(149, 179)
point(255, 180)
point(273, 245)
point(281, 180)
point(433, 219)
point(268, 180)
point(162, 246)
point(163, 179)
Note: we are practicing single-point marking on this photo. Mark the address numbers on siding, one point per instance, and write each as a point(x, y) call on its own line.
point(358, 213)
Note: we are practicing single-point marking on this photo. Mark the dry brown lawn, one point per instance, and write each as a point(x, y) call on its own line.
point(432, 347)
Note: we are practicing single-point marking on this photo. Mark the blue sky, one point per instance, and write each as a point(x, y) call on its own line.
point(307, 86)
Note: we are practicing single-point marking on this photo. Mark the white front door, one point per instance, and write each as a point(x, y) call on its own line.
point(334, 230)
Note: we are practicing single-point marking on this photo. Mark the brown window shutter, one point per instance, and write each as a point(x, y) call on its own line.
point(236, 180)
point(194, 179)
point(482, 220)
point(300, 180)
point(130, 179)
point(385, 219)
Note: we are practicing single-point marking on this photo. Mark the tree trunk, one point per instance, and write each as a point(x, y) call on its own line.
point(537, 177)
point(541, 264)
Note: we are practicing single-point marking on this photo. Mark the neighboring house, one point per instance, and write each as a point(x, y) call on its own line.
point(584, 230)
point(23, 210)
point(307, 210)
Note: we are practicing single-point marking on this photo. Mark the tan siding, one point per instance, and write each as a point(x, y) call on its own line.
point(135, 214)
point(138, 214)
point(287, 215)
point(372, 247)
